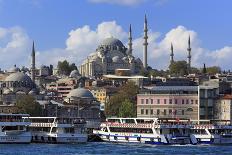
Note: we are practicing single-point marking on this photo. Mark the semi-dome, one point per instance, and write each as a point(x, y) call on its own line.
point(80, 92)
point(112, 42)
point(116, 59)
point(18, 76)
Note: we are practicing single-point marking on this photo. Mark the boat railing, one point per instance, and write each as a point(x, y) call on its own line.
point(42, 124)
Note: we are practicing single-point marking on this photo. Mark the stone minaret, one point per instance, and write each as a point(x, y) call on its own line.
point(145, 44)
point(171, 55)
point(130, 41)
point(33, 63)
point(189, 55)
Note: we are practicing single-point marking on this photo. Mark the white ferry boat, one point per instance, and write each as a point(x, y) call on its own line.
point(14, 128)
point(58, 130)
point(209, 133)
point(146, 130)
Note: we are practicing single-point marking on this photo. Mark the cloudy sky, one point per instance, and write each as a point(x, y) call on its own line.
point(72, 29)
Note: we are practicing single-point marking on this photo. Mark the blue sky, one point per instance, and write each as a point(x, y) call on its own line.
point(49, 23)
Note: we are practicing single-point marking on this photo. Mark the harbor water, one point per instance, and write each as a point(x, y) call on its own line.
point(111, 148)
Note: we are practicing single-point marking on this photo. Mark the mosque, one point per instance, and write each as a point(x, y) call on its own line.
point(111, 54)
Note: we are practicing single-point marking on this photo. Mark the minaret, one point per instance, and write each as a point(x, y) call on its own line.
point(130, 41)
point(171, 55)
point(33, 63)
point(145, 44)
point(189, 55)
point(204, 69)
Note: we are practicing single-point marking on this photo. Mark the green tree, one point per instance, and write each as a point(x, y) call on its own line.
point(213, 70)
point(65, 68)
point(127, 109)
point(178, 68)
point(27, 104)
point(126, 92)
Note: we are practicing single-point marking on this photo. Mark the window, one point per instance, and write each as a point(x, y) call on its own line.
point(165, 112)
point(170, 101)
point(151, 101)
point(142, 101)
point(189, 109)
point(165, 102)
point(191, 101)
point(158, 111)
point(151, 111)
point(182, 101)
point(158, 101)
point(146, 111)
point(182, 112)
point(196, 101)
point(142, 111)
point(176, 101)
point(146, 101)
point(170, 111)
point(187, 101)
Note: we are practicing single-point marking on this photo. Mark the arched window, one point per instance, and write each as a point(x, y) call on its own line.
point(189, 109)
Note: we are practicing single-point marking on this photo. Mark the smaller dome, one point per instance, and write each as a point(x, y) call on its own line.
point(74, 74)
point(32, 92)
point(18, 76)
point(81, 93)
point(116, 59)
point(7, 91)
point(14, 69)
point(125, 59)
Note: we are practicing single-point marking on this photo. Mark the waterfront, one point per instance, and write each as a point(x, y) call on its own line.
point(110, 148)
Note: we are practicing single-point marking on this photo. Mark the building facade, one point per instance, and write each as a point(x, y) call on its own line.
point(169, 102)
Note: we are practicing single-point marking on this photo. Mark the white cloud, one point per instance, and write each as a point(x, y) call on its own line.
point(120, 2)
point(15, 47)
point(13, 44)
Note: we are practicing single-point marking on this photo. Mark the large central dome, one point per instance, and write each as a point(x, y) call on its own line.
point(112, 42)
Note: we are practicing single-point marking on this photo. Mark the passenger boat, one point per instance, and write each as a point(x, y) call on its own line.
point(146, 130)
point(14, 128)
point(58, 130)
point(210, 133)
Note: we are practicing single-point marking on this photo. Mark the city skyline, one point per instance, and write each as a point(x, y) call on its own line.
point(83, 25)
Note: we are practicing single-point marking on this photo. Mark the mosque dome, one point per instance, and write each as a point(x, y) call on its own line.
point(80, 92)
point(74, 74)
point(19, 76)
point(7, 91)
point(112, 42)
point(14, 69)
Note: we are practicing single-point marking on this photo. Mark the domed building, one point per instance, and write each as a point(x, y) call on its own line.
point(18, 81)
point(87, 105)
point(110, 55)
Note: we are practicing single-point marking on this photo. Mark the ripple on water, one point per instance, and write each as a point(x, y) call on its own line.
point(111, 148)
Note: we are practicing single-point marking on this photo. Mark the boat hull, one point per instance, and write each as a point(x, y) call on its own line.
point(24, 138)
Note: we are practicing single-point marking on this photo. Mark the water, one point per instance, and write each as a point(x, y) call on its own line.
point(110, 148)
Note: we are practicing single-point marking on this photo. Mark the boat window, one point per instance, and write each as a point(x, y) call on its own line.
point(69, 130)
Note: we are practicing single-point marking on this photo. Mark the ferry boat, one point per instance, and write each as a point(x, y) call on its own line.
point(58, 130)
point(14, 128)
point(146, 130)
point(212, 133)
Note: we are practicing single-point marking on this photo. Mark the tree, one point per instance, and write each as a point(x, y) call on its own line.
point(178, 68)
point(27, 104)
point(213, 70)
point(65, 68)
point(127, 92)
point(127, 109)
